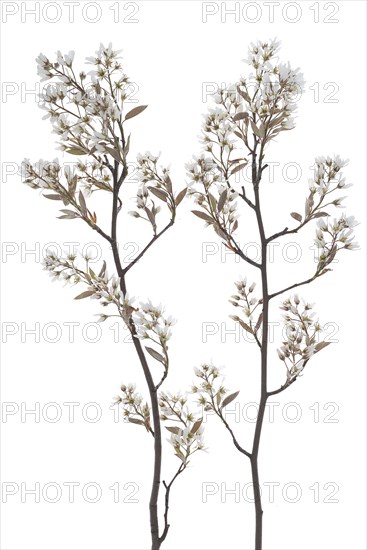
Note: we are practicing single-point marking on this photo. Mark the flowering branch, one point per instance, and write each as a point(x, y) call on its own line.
point(87, 112)
point(213, 399)
point(247, 118)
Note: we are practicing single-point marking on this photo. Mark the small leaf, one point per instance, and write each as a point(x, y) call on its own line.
point(181, 195)
point(173, 429)
point(113, 153)
point(69, 212)
point(53, 197)
point(321, 345)
point(240, 116)
point(218, 398)
point(259, 321)
point(157, 356)
point(72, 184)
point(245, 326)
point(127, 146)
point(244, 94)
point(332, 254)
point(196, 426)
point(67, 217)
point(320, 214)
point(85, 294)
point(229, 399)
point(168, 183)
point(222, 200)
point(180, 456)
point(75, 151)
point(136, 421)
point(82, 203)
point(162, 195)
point(238, 168)
point(103, 269)
point(255, 129)
point(135, 111)
point(219, 231)
point(151, 217)
point(296, 216)
point(202, 215)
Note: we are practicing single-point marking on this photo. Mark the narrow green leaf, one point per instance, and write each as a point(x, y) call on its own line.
point(75, 151)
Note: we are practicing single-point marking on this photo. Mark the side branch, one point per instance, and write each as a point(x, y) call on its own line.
point(155, 238)
point(241, 254)
point(285, 231)
point(166, 501)
point(294, 286)
point(235, 442)
point(282, 388)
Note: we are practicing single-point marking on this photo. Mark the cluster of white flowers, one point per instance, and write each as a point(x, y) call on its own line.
point(328, 176)
point(85, 113)
point(302, 336)
point(147, 167)
point(248, 304)
point(186, 437)
point(100, 286)
point(243, 299)
point(210, 395)
point(218, 130)
point(85, 177)
point(42, 174)
point(217, 201)
point(134, 409)
point(152, 324)
point(174, 406)
point(202, 170)
point(93, 176)
point(155, 183)
point(334, 236)
point(145, 321)
point(273, 86)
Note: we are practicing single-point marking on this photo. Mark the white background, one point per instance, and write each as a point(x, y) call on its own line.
point(171, 53)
